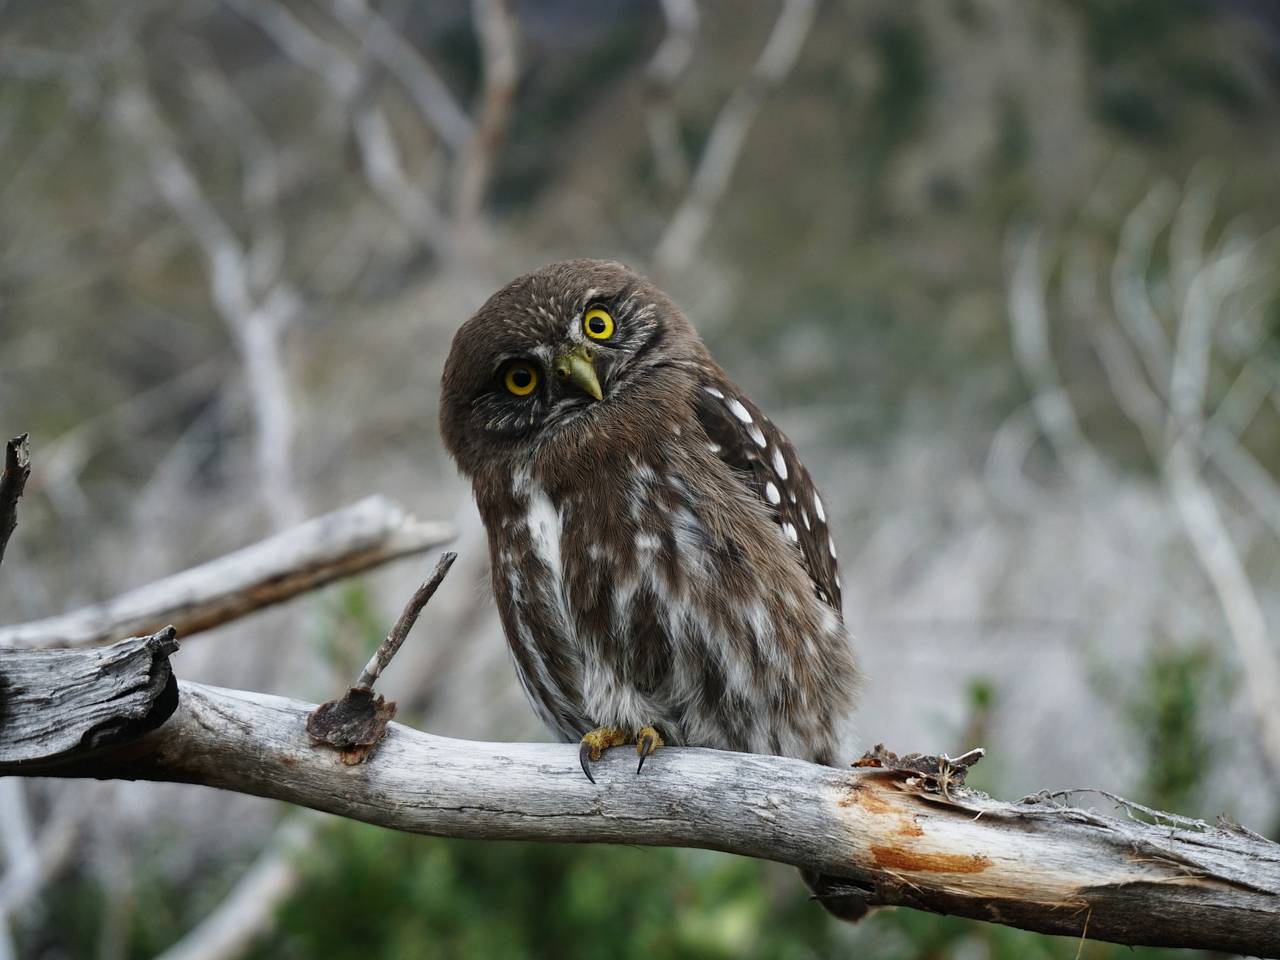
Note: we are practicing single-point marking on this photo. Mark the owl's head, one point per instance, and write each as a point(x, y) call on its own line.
point(582, 347)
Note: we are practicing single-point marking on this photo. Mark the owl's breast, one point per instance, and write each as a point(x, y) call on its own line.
point(642, 600)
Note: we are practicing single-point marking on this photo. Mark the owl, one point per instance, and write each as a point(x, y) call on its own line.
point(662, 562)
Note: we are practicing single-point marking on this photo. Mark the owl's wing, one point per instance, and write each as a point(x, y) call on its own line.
point(746, 440)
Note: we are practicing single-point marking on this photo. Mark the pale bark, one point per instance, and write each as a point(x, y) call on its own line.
point(340, 544)
point(1034, 864)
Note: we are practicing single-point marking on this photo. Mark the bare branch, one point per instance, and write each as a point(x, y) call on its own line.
point(1129, 280)
point(692, 218)
point(434, 101)
point(379, 152)
point(1225, 570)
point(665, 69)
point(380, 159)
point(395, 639)
point(255, 320)
point(1050, 402)
point(17, 468)
point(355, 724)
point(54, 845)
point(1193, 349)
point(365, 535)
point(301, 45)
point(1203, 290)
point(260, 176)
point(64, 703)
point(496, 30)
point(898, 833)
point(250, 907)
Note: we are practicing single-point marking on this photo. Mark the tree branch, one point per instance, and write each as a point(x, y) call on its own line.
point(17, 467)
point(400, 630)
point(901, 835)
point(692, 218)
point(497, 33)
point(380, 154)
point(440, 111)
point(663, 73)
point(340, 544)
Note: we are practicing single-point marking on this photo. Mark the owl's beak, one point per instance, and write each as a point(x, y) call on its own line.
point(575, 367)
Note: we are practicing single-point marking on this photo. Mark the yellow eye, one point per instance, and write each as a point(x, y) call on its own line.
point(520, 378)
point(597, 324)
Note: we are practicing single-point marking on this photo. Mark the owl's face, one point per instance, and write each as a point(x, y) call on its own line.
point(577, 347)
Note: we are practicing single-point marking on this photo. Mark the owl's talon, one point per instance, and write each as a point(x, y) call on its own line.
point(647, 741)
point(594, 743)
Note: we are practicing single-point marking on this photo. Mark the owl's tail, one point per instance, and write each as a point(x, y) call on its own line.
point(840, 898)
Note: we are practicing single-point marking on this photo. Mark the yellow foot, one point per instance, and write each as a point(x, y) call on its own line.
point(647, 740)
point(597, 740)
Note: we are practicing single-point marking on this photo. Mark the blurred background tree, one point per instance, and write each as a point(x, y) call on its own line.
point(1005, 272)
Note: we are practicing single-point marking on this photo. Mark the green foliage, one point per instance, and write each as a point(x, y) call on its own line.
point(353, 629)
point(900, 99)
point(1120, 29)
point(911, 935)
point(899, 102)
point(1150, 62)
point(139, 911)
point(373, 893)
point(1129, 107)
point(1167, 715)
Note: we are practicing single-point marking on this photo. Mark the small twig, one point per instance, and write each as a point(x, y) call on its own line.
point(17, 467)
point(1084, 934)
point(356, 723)
point(408, 617)
point(1130, 806)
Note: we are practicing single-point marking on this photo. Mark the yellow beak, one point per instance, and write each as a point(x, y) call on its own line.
point(575, 366)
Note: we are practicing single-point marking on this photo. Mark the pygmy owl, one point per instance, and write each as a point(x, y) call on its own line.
point(661, 559)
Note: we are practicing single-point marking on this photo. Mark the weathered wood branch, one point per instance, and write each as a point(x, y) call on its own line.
point(903, 838)
point(17, 467)
point(339, 544)
point(59, 704)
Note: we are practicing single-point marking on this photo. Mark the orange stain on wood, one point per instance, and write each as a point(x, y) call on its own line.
point(866, 797)
point(893, 858)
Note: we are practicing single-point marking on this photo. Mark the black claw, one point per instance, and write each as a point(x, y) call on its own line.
point(584, 757)
point(645, 747)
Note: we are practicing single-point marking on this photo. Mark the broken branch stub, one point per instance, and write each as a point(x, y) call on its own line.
point(354, 724)
point(17, 468)
point(62, 706)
